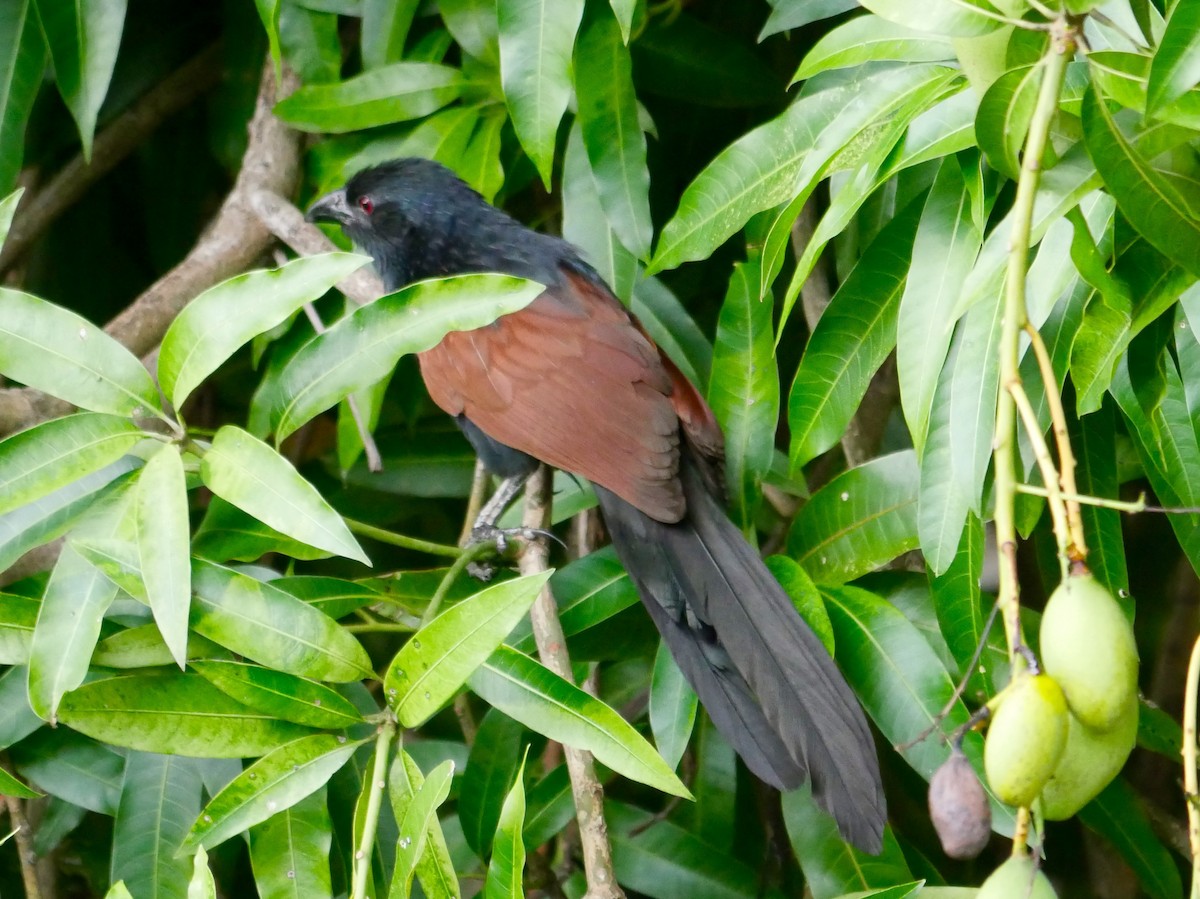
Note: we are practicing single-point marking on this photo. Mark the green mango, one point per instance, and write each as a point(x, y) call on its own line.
point(1017, 878)
point(1089, 763)
point(1026, 739)
point(1088, 647)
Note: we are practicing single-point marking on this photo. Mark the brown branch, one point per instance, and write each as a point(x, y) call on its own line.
point(118, 139)
point(23, 838)
point(552, 648)
point(230, 245)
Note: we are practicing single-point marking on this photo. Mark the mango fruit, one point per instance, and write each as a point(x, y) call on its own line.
point(1017, 878)
point(958, 808)
point(1088, 764)
point(1026, 738)
point(1088, 647)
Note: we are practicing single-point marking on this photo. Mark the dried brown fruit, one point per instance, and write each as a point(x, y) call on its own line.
point(959, 808)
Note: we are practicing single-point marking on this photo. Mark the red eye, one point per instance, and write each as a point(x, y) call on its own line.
point(366, 205)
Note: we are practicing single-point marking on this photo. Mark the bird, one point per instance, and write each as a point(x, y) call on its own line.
point(573, 380)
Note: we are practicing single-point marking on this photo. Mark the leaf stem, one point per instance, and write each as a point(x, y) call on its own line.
point(1054, 497)
point(378, 775)
point(393, 539)
point(465, 558)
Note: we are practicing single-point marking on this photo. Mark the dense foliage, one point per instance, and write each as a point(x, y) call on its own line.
point(235, 657)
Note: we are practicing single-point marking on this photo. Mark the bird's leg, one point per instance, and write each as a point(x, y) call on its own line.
point(485, 530)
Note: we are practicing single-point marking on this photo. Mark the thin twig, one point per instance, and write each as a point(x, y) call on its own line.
point(1190, 782)
point(1041, 452)
point(479, 486)
point(1132, 507)
point(375, 788)
point(405, 542)
point(473, 552)
point(552, 648)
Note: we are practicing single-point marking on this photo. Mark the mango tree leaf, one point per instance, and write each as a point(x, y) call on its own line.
point(789, 14)
point(22, 65)
point(272, 627)
point(43, 458)
point(507, 866)
point(536, 40)
point(853, 337)
point(1176, 65)
point(202, 885)
point(475, 28)
point(172, 713)
point(434, 868)
point(143, 647)
point(289, 852)
point(858, 521)
point(435, 663)
point(214, 325)
point(255, 478)
point(385, 26)
point(419, 816)
point(744, 390)
point(395, 93)
point(160, 798)
point(1118, 816)
point(73, 768)
point(494, 758)
point(673, 329)
point(1093, 439)
point(226, 533)
point(277, 780)
point(805, 596)
point(1148, 200)
point(268, 13)
point(163, 557)
point(58, 352)
point(868, 39)
point(365, 345)
point(18, 615)
point(1004, 115)
point(958, 604)
point(10, 786)
point(83, 37)
point(608, 118)
point(480, 165)
point(673, 705)
point(544, 702)
point(948, 18)
point(279, 694)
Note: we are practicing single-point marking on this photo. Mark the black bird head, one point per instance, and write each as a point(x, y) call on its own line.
point(420, 220)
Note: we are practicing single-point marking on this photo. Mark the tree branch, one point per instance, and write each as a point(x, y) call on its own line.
point(230, 245)
point(552, 648)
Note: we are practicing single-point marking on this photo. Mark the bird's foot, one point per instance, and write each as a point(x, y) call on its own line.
point(500, 540)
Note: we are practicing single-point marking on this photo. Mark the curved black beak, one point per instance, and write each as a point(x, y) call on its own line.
point(333, 207)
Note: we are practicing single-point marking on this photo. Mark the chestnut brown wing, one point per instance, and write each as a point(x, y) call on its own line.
point(572, 381)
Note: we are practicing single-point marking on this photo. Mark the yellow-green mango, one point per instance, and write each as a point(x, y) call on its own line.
point(1017, 878)
point(1025, 739)
point(1088, 647)
point(1089, 763)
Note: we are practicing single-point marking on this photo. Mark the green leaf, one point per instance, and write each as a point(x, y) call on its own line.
point(832, 867)
point(202, 885)
point(268, 12)
point(163, 535)
point(947, 18)
point(83, 37)
point(45, 457)
point(544, 702)
point(435, 870)
point(493, 761)
point(437, 661)
point(22, 66)
point(143, 647)
point(172, 713)
point(855, 334)
point(1093, 439)
point(673, 329)
point(475, 28)
point(1148, 200)
point(10, 786)
point(289, 852)
point(419, 817)
point(1004, 115)
point(385, 27)
point(272, 627)
point(744, 390)
point(480, 165)
point(664, 860)
point(73, 768)
point(804, 596)
point(1100, 342)
point(17, 719)
point(226, 533)
point(536, 40)
point(118, 891)
point(1176, 65)
point(73, 606)
point(771, 164)
point(673, 706)
point(58, 352)
point(214, 325)
point(870, 39)
point(280, 695)
point(960, 609)
point(277, 780)
point(365, 345)
point(18, 615)
point(624, 11)
point(789, 14)
point(860, 520)
point(310, 43)
point(959, 446)
point(8, 206)
point(1118, 816)
point(507, 866)
point(255, 478)
point(608, 118)
point(396, 93)
point(160, 798)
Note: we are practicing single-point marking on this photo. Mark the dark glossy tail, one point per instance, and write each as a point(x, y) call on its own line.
point(764, 677)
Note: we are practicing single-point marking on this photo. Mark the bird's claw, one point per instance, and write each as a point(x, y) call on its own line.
point(499, 539)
